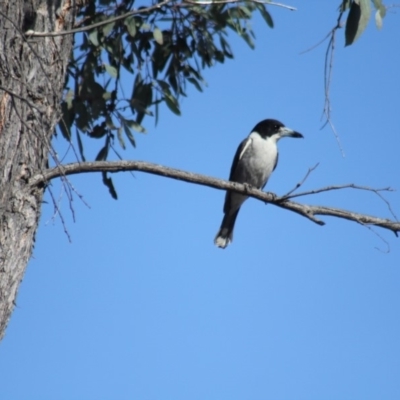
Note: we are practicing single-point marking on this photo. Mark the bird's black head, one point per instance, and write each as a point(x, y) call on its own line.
point(273, 127)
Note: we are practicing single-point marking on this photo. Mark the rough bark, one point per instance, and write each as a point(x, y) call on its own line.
point(32, 73)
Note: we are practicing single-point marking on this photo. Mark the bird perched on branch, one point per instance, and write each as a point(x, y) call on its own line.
point(254, 161)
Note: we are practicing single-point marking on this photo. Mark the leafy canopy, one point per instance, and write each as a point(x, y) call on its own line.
point(164, 46)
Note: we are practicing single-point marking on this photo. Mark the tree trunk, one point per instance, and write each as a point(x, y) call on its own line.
point(32, 74)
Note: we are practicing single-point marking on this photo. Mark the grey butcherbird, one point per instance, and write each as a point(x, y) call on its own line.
point(255, 159)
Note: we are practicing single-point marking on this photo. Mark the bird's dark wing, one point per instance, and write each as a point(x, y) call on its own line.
point(238, 155)
point(233, 176)
point(276, 161)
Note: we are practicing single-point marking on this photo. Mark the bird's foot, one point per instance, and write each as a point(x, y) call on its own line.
point(247, 186)
point(273, 197)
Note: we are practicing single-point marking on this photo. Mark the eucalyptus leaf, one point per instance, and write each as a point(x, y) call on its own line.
point(109, 183)
point(164, 85)
point(111, 70)
point(172, 103)
point(345, 5)
point(108, 28)
point(80, 145)
point(225, 47)
point(129, 135)
point(378, 19)
point(245, 10)
point(158, 36)
point(130, 24)
point(134, 125)
point(357, 20)
point(103, 153)
point(94, 37)
point(141, 100)
point(66, 121)
point(382, 10)
point(377, 3)
point(120, 138)
point(248, 39)
point(266, 15)
point(195, 83)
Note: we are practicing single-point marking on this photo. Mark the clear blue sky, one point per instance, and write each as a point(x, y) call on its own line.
point(142, 305)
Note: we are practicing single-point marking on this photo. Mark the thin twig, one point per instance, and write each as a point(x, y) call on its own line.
point(330, 52)
point(328, 69)
point(387, 203)
point(338, 187)
point(380, 237)
point(57, 211)
point(317, 44)
point(287, 195)
point(329, 56)
point(348, 186)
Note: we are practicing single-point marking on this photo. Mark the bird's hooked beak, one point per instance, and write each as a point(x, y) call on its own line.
point(285, 131)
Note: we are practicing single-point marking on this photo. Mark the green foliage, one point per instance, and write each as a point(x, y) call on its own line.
point(162, 49)
point(359, 16)
point(162, 46)
point(379, 13)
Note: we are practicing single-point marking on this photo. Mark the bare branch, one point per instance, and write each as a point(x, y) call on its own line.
point(348, 186)
point(314, 46)
point(328, 69)
point(338, 187)
point(287, 195)
point(213, 2)
point(330, 52)
point(308, 211)
point(31, 33)
point(184, 3)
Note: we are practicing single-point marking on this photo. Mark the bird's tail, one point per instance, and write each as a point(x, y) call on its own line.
point(225, 233)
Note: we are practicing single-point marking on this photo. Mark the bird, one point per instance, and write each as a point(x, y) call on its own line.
point(255, 160)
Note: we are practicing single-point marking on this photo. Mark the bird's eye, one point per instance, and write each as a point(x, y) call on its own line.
point(276, 128)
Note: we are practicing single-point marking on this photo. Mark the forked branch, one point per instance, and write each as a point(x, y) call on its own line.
point(309, 211)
